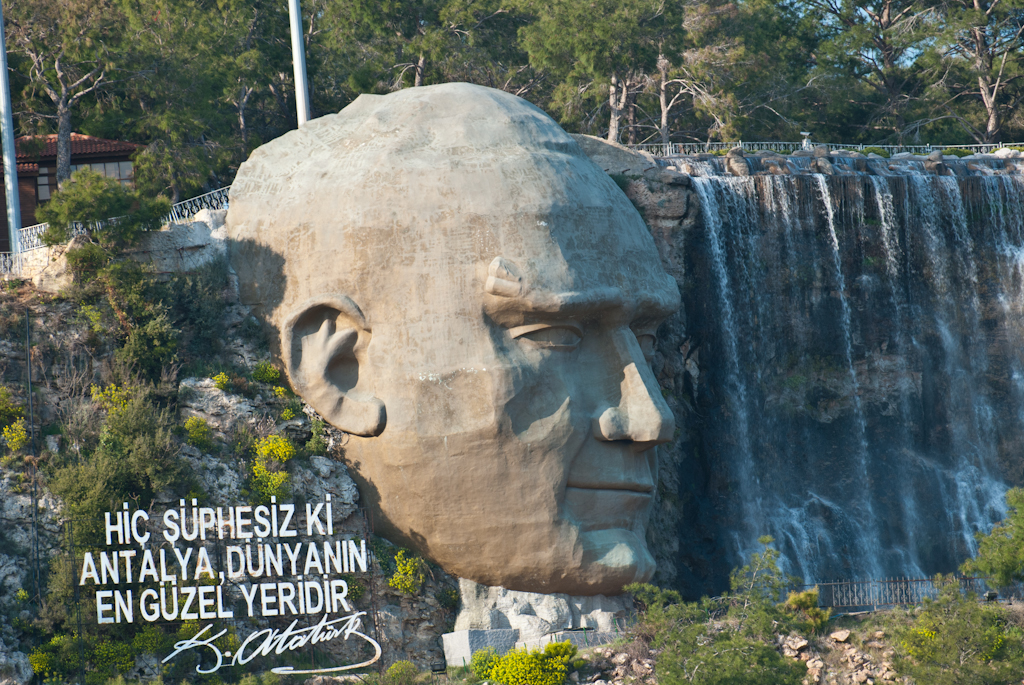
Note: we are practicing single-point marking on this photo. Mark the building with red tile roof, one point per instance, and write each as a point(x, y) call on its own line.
point(37, 169)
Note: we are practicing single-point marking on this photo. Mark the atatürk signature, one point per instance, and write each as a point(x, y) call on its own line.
point(274, 641)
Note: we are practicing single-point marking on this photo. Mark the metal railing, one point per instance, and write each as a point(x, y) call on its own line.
point(184, 211)
point(863, 594)
point(10, 264)
point(181, 212)
point(676, 149)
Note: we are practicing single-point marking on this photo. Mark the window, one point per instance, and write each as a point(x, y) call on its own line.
point(43, 187)
point(46, 185)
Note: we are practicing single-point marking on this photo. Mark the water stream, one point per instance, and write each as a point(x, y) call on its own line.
point(861, 338)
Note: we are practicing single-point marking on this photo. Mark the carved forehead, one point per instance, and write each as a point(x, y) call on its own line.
point(410, 195)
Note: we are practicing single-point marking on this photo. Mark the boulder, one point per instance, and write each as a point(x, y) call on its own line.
point(737, 166)
point(615, 158)
point(821, 151)
point(840, 635)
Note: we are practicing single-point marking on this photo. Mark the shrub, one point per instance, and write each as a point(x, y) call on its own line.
point(805, 606)
point(275, 447)
point(482, 662)
point(957, 151)
point(729, 639)
point(199, 433)
point(151, 346)
point(523, 667)
point(91, 197)
point(265, 372)
point(448, 599)
point(268, 479)
point(1001, 552)
point(317, 444)
point(221, 381)
point(410, 574)
point(287, 414)
point(113, 398)
point(10, 410)
point(16, 435)
point(956, 639)
point(880, 151)
point(401, 673)
point(280, 392)
point(561, 651)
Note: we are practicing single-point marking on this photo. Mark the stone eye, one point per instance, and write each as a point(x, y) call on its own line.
point(550, 337)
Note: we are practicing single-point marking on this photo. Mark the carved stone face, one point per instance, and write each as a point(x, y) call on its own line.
point(459, 288)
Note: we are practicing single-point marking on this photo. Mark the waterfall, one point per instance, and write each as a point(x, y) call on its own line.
point(861, 392)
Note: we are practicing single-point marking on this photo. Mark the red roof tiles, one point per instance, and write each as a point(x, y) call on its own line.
point(81, 145)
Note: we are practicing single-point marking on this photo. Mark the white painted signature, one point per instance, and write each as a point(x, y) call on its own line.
point(275, 641)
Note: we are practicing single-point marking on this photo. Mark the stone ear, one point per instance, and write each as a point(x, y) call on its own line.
point(323, 346)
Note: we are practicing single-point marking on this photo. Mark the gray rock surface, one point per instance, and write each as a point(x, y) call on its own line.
point(535, 615)
point(14, 666)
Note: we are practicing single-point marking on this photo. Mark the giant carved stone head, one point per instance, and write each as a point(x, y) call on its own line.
point(458, 287)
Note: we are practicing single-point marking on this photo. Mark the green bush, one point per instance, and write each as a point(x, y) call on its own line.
point(728, 639)
point(1001, 552)
point(150, 347)
point(265, 372)
point(957, 151)
point(880, 151)
point(10, 410)
point(276, 447)
point(91, 197)
point(523, 667)
point(448, 599)
point(15, 435)
point(136, 457)
point(317, 444)
point(410, 574)
point(401, 673)
point(561, 651)
point(199, 433)
point(955, 639)
point(221, 381)
point(805, 606)
point(482, 662)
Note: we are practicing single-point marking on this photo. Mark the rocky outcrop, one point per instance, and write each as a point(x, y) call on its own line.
point(14, 666)
point(535, 615)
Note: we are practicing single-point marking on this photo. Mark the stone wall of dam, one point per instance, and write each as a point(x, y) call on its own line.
point(847, 369)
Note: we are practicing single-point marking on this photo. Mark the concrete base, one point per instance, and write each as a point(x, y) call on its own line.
point(581, 638)
point(460, 645)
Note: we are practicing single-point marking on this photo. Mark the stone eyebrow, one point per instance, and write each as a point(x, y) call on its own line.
point(653, 305)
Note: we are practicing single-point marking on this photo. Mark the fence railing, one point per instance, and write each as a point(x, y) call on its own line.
point(864, 594)
point(184, 211)
point(676, 149)
point(181, 212)
point(10, 263)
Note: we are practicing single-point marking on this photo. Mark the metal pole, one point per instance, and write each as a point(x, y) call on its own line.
point(7, 134)
point(299, 62)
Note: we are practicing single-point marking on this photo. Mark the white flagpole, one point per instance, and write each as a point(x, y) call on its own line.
point(7, 135)
point(299, 62)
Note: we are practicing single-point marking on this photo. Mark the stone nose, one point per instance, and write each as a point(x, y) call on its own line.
point(641, 415)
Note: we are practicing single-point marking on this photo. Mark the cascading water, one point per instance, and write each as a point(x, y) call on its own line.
point(861, 342)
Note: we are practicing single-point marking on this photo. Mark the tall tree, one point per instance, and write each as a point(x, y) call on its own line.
point(875, 43)
point(70, 47)
point(980, 59)
point(605, 46)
